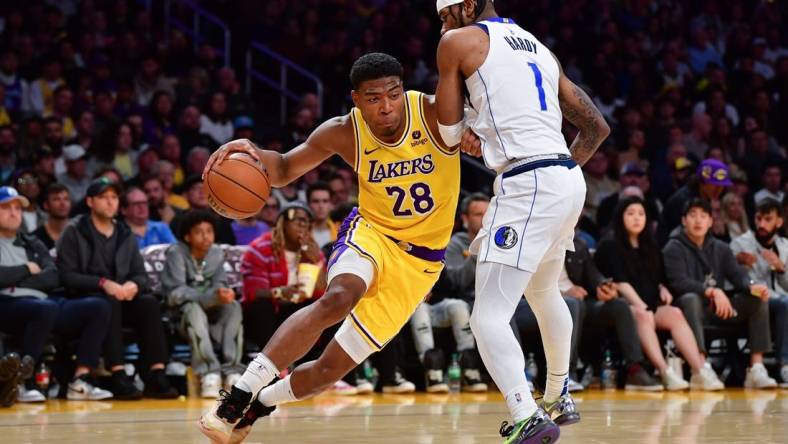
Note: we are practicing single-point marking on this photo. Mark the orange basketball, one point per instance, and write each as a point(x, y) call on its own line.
point(238, 187)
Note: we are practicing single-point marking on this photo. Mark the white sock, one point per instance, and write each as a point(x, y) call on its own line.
point(260, 372)
point(521, 403)
point(278, 393)
point(556, 387)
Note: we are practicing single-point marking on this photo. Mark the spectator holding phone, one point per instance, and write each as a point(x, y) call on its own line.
point(273, 288)
point(697, 266)
point(631, 256)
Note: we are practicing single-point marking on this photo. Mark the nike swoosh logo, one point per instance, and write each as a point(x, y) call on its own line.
point(430, 272)
point(366, 151)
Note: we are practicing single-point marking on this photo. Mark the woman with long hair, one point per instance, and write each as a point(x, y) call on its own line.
point(633, 259)
point(734, 215)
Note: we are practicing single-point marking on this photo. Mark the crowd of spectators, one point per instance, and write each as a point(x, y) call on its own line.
point(104, 131)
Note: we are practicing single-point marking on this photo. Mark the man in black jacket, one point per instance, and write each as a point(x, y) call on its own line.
point(27, 279)
point(697, 266)
point(605, 309)
point(97, 255)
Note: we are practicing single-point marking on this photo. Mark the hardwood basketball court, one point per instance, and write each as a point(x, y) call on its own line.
point(734, 416)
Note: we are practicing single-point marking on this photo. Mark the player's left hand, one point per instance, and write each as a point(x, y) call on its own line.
point(470, 143)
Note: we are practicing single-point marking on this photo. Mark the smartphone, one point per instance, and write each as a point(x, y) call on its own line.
point(606, 281)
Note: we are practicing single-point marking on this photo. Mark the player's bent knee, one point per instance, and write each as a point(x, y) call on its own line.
point(335, 305)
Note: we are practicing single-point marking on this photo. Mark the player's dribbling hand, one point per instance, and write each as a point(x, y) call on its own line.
point(470, 143)
point(234, 146)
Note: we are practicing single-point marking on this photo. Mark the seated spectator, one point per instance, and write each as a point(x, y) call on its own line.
point(599, 184)
point(27, 279)
point(195, 283)
point(244, 128)
point(76, 177)
point(216, 123)
point(606, 309)
point(697, 266)
point(270, 212)
point(165, 171)
point(57, 205)
point(196, 160)
point(170, 150)
point(136, 211)
point(97, 256)
point(42, 90)
point(189, 129)
point(733, 217)
point(339, 191)
point(631, 257)
point(710, 181)
point(159, 208)
point(271, 290)
point(28, 185)
point(632, 174)
point(446, 313)
point(764, 253)
point(150, 80)
point(771, 180)
point(318, 196)
point(194, 191)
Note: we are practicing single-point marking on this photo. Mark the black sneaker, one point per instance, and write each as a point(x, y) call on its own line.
point(434, 363)
point(219, 422)
point(9, 373)
point(158, 386)
point(122, 386)
point(563, 411)
point(471, 372)
point(639, 379)
point(256, 411)
point(538, 429)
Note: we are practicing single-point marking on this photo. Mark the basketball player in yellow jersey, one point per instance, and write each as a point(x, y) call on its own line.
point(389, 251)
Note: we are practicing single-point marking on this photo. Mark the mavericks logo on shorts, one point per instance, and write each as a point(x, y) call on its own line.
point(506, 238)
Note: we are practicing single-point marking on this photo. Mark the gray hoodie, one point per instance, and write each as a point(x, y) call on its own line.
point(761, 272)
point(687, 266)
point(180, 277)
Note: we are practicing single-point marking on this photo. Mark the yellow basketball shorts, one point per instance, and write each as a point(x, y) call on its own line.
point(398, 276)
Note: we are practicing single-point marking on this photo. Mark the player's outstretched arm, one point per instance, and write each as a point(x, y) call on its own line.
point(580, 110)
point(285, 168)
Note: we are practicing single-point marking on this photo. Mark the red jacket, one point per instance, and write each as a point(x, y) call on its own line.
point(260, 269)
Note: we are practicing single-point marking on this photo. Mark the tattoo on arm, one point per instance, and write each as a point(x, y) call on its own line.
point(581, 112)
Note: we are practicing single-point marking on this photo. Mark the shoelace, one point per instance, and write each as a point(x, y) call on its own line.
point(506, 429)
point(226, 408)
point(473, 375)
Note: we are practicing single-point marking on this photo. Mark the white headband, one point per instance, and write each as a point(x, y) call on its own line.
point(445, 3)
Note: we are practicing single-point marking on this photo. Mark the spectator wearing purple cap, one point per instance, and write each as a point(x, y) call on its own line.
point(712, 178)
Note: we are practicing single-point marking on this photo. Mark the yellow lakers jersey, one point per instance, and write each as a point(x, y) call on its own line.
point(408, 189)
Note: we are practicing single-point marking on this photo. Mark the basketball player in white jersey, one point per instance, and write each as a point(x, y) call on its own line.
point(517, 96)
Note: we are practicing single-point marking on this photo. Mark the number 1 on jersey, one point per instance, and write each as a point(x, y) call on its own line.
point(539, 88)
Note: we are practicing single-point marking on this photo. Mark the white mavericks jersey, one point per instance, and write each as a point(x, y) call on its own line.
point(514, 97)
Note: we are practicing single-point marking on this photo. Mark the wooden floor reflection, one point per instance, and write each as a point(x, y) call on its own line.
point(735, 416)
